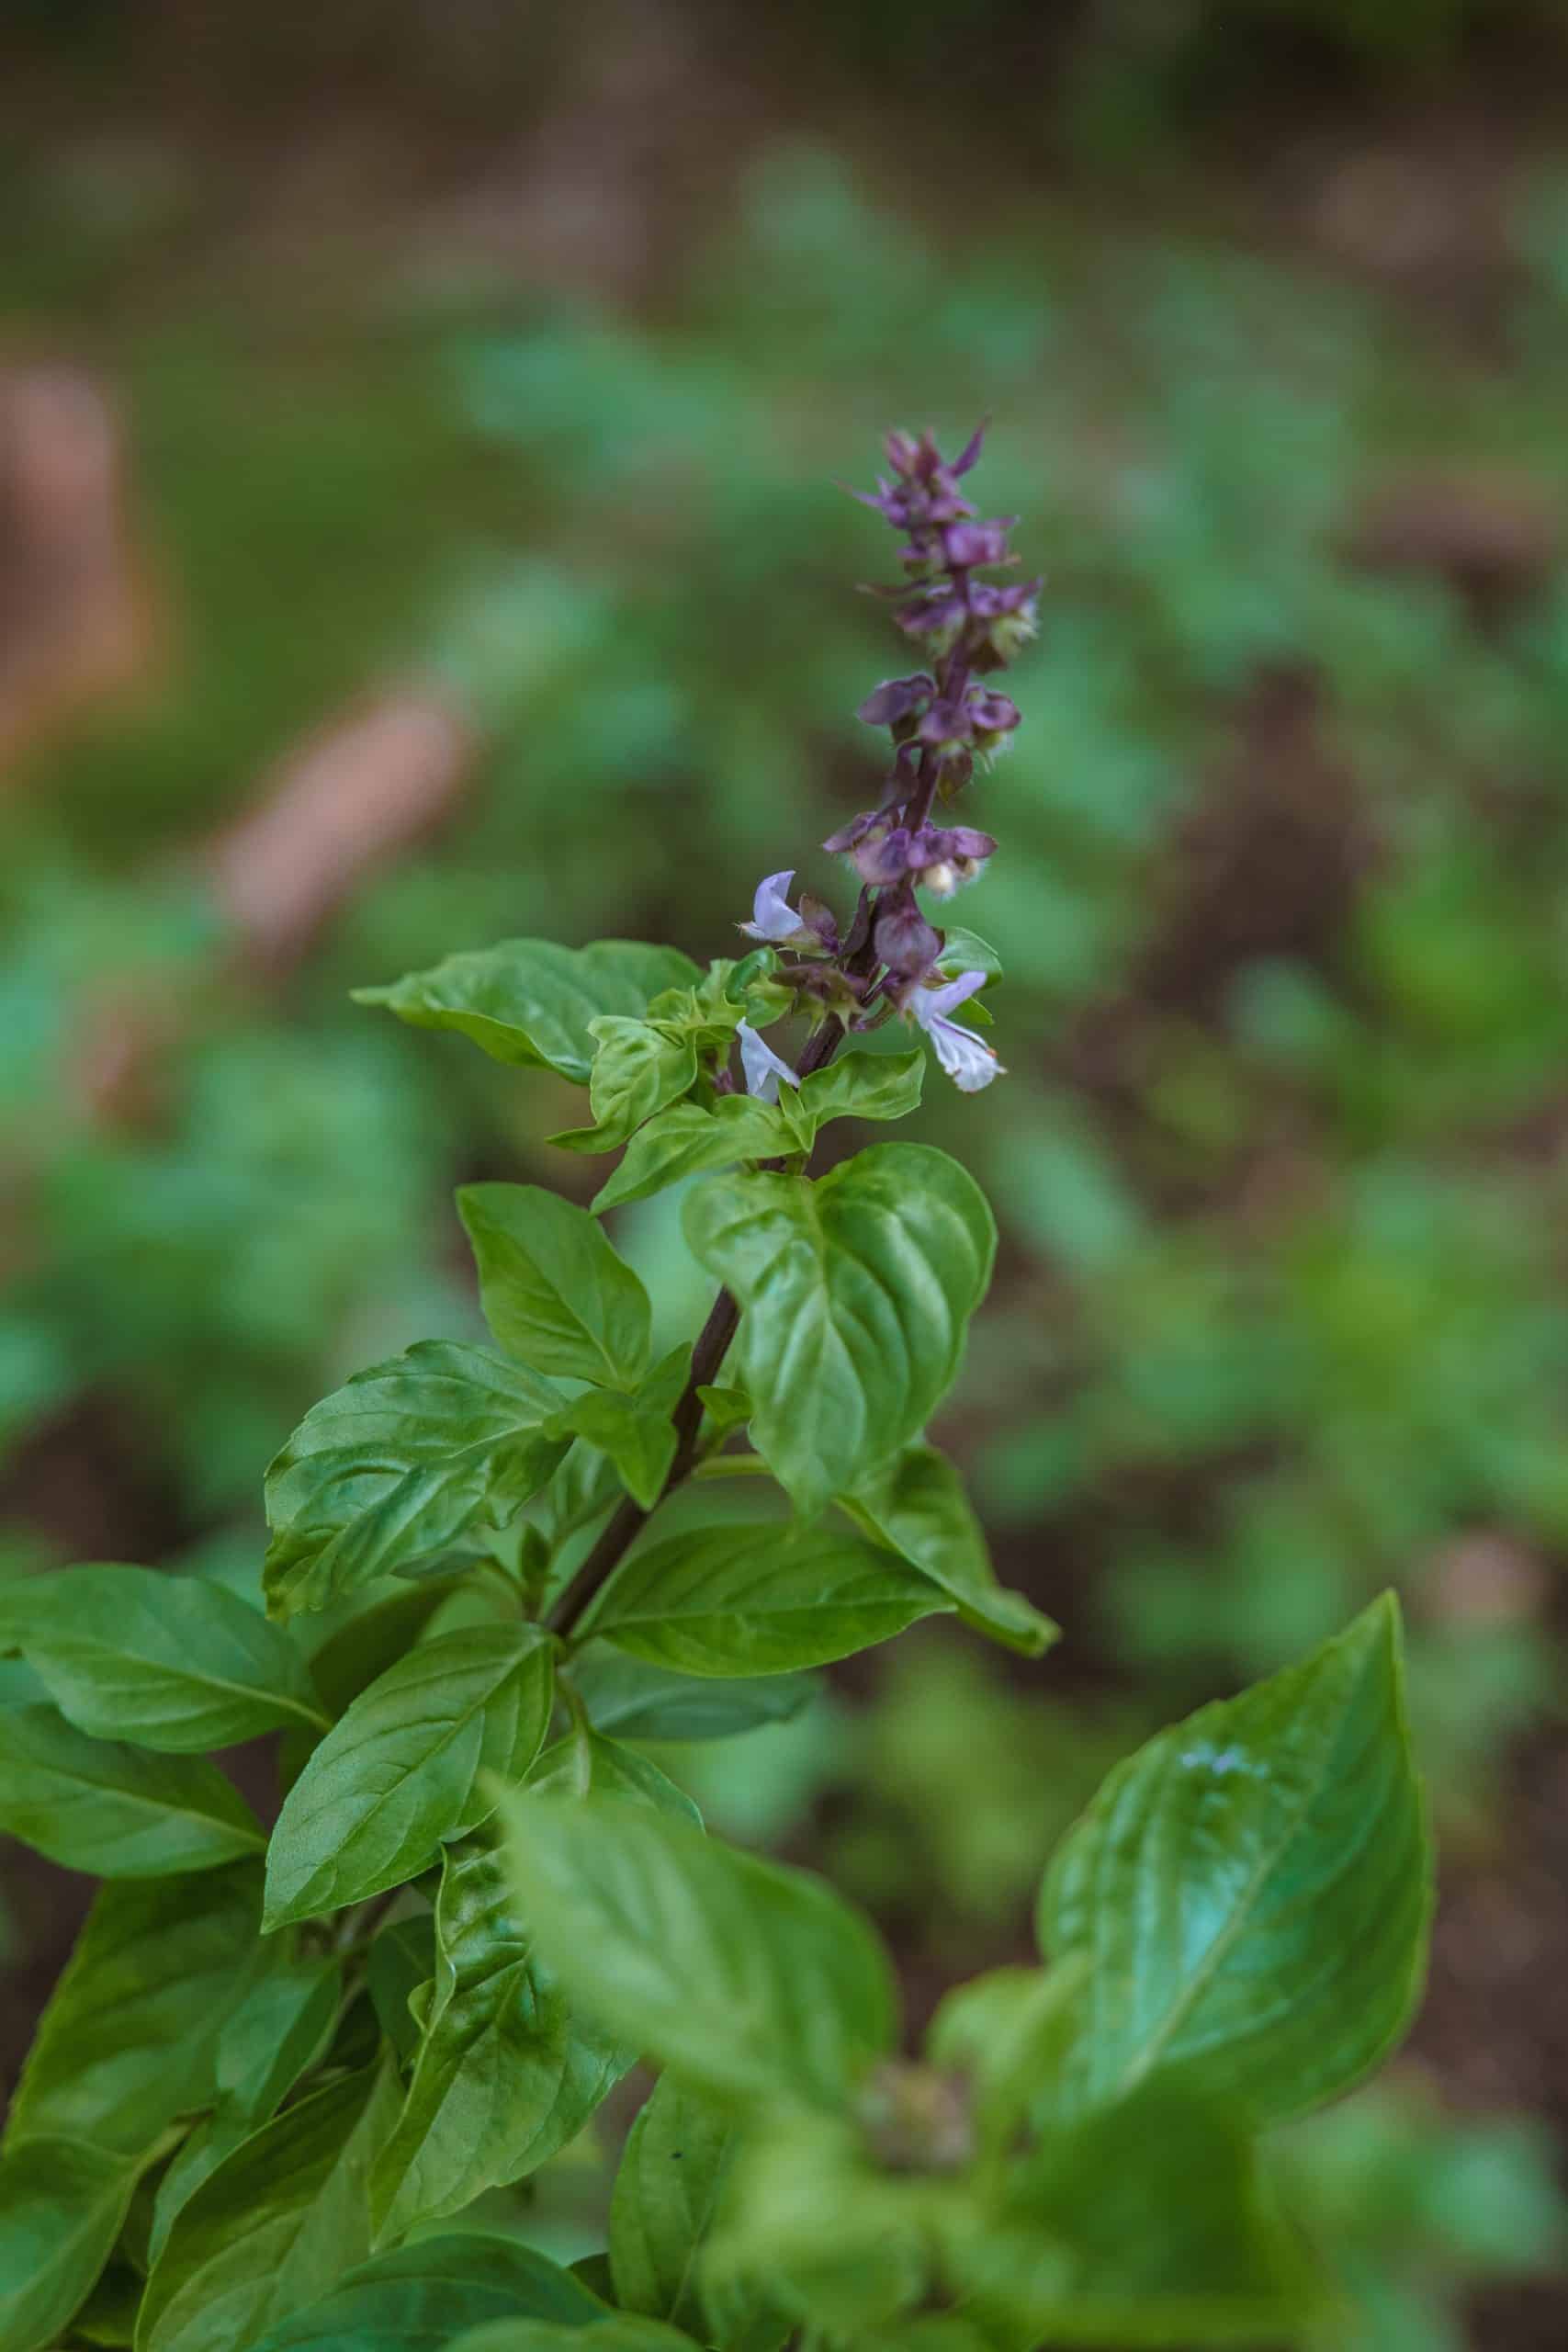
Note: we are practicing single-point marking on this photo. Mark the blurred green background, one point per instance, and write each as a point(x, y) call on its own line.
point(418, 434)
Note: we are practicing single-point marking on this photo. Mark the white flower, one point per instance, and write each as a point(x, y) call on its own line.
point(762, 1067)
point(772, 917)
point(964, 1055)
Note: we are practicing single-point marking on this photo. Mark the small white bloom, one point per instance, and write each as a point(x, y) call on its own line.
point(962, 1053)
point(940, 879)
point(772, 917)
point(762, 1067)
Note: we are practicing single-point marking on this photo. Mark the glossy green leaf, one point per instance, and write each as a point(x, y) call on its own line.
point(641, 1066)
point(505, 2073)
point(766, 1600)
point(687, 1139)
point(504, 2076)
point(555, 1292)
point(917, 1503)
point(1146, 2225)
point(278, 2032)
point(278, 2222)
point(61, 2206)
point(374, 1638)
point(856, 1293)
point(418, 2297)
point(407, 1470)
point(408, 1766)
point(401, 1963)
point(636, 1700)
point(120, 1812)
point(131, 2035)
point(174, 1663)
point(636, 1433)
point(667, 2193)
point(1253, 1889)
point(613, 2332)
point(528, 1001)
point(965, 951)
point(750, 1978)
point(853, 1086)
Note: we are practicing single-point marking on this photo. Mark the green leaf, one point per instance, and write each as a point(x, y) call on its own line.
point(917, 1504)
point(129, 2038)
point(120, 1812)
point(856, 1086)
point(965, 951)
point(168, 1662)
point(279, 2221)
point(668, 2188)
point(856, 1293)
point(408, 1470)
point(418, 2297)
point(403, 1767)
point(528, 1001)
point(636, 1433)
point(686, 1138)
point(1146, 2225)
point(752, 1979)
point(63, 2203)
point(504, 2076)
point(401, 1963)
point(1254, 1889)
point(641, 1066)
point(1005, 2032)
point(279, 2032)
point(505, 2073)
point(554, 1292)
point(628, 1696)
point(613, 2331)
point(764, 1599)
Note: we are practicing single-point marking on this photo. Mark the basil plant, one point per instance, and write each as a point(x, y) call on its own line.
point(282, 2071)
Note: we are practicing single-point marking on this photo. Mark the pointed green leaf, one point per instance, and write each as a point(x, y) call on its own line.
point(613, 2332)
point(917, 1504)
point(555, 1292)
point(505, 2073)
point(408, 1766)
point(174, 1663)
point(529, 1001)
point(63, 2203)
point(856, 1293)
point(421, 2297)
point(637, 1433)
point(752, 1979)
point(407, 1470)
point(129, 2038)
point(639, 1068)
point(667, 2193)
point(625, 1695)
point(1145, 2224)
point(278, 2222)
point(686, 1138)
point(764, 1599)
point(860, 1086)
point(1253, 1889)
point(278, 2032)
point(401, 1964)
point(120, 1812)
point(965, 951)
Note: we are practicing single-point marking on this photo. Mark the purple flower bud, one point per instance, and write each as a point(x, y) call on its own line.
point(903, 453)
point(966, 544)
point(895, 698)
point(958, 842)
point(906, 942)
point(855, 831)
point(884, 857)
point(993, 714)
point(820, 921)
point(970, 452)
point(947, 722)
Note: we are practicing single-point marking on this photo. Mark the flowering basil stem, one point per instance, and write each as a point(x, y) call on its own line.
point(282, 2065)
